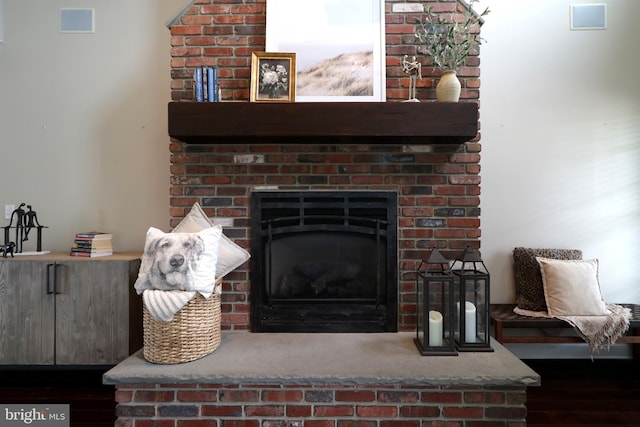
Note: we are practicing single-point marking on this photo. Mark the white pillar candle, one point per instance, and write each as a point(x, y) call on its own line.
point(470, 322)
point(435, 329)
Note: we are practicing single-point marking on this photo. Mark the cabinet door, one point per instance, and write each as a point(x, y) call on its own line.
point(26, 313)
point(92, 312)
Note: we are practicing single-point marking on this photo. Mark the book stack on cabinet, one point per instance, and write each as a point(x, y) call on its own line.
point(92, 244)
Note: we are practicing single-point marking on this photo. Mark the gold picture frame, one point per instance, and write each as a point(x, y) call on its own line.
point(273, 77)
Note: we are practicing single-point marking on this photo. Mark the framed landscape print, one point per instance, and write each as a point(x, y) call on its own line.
point(339, 46)
point(273, 77)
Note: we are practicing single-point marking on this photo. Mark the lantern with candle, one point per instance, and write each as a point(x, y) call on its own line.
point(435, 307)
point(472, 302)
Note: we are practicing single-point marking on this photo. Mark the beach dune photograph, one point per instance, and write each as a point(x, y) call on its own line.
point(337, 43)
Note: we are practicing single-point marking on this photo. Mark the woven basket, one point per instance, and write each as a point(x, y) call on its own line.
point(193, 333)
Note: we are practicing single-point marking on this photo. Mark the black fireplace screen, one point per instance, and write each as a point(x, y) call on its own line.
point(324, 261)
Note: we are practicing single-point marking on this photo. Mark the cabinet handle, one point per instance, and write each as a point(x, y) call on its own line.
point(50, 289)
point(52, 273)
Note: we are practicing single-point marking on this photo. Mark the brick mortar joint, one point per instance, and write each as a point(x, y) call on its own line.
point(355, 405)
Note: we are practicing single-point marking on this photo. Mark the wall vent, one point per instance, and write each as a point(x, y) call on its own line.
point(589, 16)
point(77, 20)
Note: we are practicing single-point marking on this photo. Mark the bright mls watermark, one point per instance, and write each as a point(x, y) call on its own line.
point(34, 415)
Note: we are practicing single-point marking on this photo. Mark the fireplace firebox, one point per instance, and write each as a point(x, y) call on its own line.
point(324, 261)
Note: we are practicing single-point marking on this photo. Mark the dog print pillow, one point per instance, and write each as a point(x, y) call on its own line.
point(179, 261)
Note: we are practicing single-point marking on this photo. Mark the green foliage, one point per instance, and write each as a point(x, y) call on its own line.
point(450, 41)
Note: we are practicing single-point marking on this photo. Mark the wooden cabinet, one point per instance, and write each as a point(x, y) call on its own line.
point(57, 309)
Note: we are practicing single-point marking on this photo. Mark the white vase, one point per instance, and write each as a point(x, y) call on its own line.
point(448, 88)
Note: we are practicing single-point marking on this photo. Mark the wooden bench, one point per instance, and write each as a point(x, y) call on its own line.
point(503, 318)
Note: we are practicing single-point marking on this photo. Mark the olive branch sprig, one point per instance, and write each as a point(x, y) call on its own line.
point(449, 41)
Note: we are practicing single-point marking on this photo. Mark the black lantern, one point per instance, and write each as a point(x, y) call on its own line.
point(472, 302)
point(435, 307)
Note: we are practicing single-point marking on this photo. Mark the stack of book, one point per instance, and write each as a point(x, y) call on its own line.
point(92, 244)
point(205, 84)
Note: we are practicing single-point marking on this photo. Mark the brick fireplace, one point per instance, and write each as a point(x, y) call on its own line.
point(437, 182)
point(427, 153)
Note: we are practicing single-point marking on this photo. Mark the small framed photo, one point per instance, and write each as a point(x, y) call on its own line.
point(273, 77)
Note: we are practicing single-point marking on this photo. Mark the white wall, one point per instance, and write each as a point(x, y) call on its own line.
point(560, 116)
point(83, 132)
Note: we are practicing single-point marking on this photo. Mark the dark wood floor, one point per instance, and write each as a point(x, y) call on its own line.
point(91, 403)
point(574, 393)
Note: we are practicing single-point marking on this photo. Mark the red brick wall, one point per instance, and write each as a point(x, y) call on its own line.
point(260, 405)
point(438, 185)
point(226, 32)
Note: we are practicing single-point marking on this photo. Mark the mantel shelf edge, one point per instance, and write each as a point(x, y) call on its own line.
point(373, 123)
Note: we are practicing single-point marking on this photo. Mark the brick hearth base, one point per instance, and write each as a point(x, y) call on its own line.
point(323, 380)
point(266, 405)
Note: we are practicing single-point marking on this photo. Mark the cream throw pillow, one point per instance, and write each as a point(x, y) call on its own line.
point(230, 255)
point(571, 287)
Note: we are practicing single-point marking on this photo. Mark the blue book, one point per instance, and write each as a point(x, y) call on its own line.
point(197, 81)
point(205, 93)
point(212, 83)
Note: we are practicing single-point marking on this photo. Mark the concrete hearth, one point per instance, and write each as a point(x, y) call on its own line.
point(292, 358)
point(324, 380)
